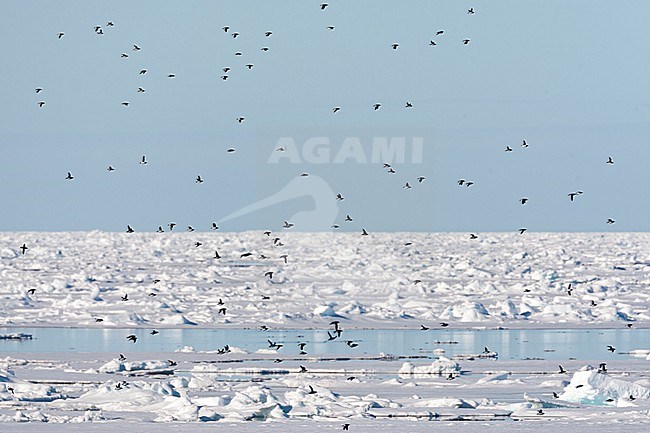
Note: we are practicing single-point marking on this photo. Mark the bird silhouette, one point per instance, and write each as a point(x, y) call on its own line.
point(226, 28)
point(60, 35)
point(125, 297)
point(524, 144)
point(352, 344)
point(346, 426)
point(311, 390)
point(160, 230)
point(364, 232)
point(136, 48)
point(240, 119)
point(408, 105)
point(562, 370)
point(268, 34)
point(199, 179)
point(465, 41)
point(132, 338)
point(470, 11)
point(522, 230)
point(508, 149)
point(38, 90)
point(154, 332)
point(610, 221)
point(432, 43)
point(335, 109)
point(323, 6)
point(424, 328)
point(190, 229)
point(440, 32)
point(110, 168)
point(23, 249)
point(348, 218)
point(473, 236)
point(421, 179)
point(611, 348)
point(171, 76)
point(610, 160)
point(376, 106)
point(129, 229)
point(394, 46)
point(523, 200)
point(143, 71)
point(330, 28)
point(69, 176)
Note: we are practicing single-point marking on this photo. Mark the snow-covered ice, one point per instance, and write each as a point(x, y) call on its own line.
point(373, 282)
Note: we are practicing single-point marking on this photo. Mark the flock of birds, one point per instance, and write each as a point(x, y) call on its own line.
point(336, 332)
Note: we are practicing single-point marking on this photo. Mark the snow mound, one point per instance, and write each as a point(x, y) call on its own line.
point(591, 387)
point(441, 366)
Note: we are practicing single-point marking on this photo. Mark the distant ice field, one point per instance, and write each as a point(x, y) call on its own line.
point(384, 280)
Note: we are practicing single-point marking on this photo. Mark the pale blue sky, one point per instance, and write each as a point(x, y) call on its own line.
point(569, 77)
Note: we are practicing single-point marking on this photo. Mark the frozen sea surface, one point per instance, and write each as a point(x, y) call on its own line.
point(506, 292)
point(375, 281)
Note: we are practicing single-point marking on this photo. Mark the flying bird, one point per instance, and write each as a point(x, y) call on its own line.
point(348, 218)
point(171, 226)
point(160, 230)
point(110, 168)
point(394, 46)
point(432, 43)
point(38, 90)
point(129, 229)
point(610, 160)
point(508, 149)
point(335, 109)
point(190, 229)
point(562, 370)
point(470, 11)
point(287, 225)
point(523, 200)
point(408, 105)
point(611, 348)
point(136, 48)
point(421, 179)
point(41, 103)
point(214, 226)
point(143, 161)
point(376, 106)
point(171, 76)
point(240, 119)
point(268, 34)
point(323, 6)
point(330, 28)
point(522, 230)
point(143, 71)
point(132, 338)
point(465, 41)
point(424, 328)
point(226, 28)
point(364, 232)
point(439, 32)
point(23, 248)
point(60, 35)
point(473, 236)
point(199, 179)
point(126, 103)
point(69, 176)
point(524, 144)
point(216, 255)
point(610, 221)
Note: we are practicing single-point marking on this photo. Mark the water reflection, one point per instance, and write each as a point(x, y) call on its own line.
point(510, 344)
